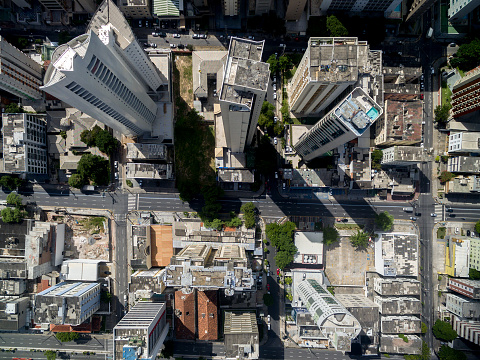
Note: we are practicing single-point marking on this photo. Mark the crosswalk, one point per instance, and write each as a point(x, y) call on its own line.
point(132, 201)
point(438, 209)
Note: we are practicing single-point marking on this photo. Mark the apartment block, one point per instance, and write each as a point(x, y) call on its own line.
point(467, 329)
point(24, 144)
point(67, 303)
point(346, 121)
point(396, 287)
point(19, 74)
point(328, 69)
point(243, 91)
point(141, 151)
point(403, 155)
point(401, 123)
point(464, 142)
point(466, 93)
point(141, 332)
point(106, 74)
point(12, 287)
point(400, 325)
point(463, 184)
point(460, 9)
point(136, 9)
point(463, 307)
point(230, 7)
point(465, 287)
point(14, 312)
point(241, 337)
point(398, 305)
point(464, 164)
point(397, 254)
point(370, 6)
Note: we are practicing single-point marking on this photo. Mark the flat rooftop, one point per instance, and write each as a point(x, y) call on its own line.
point(240, 323)
point(245, 49)
point(141, 315)
point(146, 151)
point(149, 171)
point(396, 254)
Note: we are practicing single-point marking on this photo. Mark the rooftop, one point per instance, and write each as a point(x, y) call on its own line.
point(139, 151)
point(396, 254)
point(396, 345)
point(207, 315)
point(402, 122)
point(400, 325)
point(141, 315)
point(403, 154)
point(236, 175)
point(467, 287)
point(309, 246)
point(397, 286)
point(185, 315)
point(149, 171)
point(205, 63)
point(398, 305)
point(80, 270)
point(463, 184)
point(240, 323)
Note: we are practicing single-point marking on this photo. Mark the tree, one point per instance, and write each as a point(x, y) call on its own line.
point(468, 56)
point(284, 63)
point(67, 336)
point(267, 114)
point(448, 353)
point(330, 235)
point(77, 181)
point(267, 299)
point(10, 182)
point(14, 199)
point(190, 47)
point(424, 328)
point(442, 113)
point(105, 297)
point(335, 27)
point(22, 42)
point(50, 354)
point(248, 211)
point(94, 168)
point(234, 222)
point(283, 259)
point(360, 239)
point(106, 143)
point(216, 224)
point(384, 221)
point(474, 274)
point(288, 280)
point(272, 60)
point(10, 215)
point(444, 331)
point(13, 108)
point(446, 176)
point(377, 156)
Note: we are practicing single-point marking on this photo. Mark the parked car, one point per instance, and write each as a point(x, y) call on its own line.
point(274, 96)
point(473, 233)
point(176, 36)
point(413, 218)
point(181, 46)
point(468, 233)
point(173, 46)
point(433, 215)
point(275, 119)
point(274, 87)
point(278, 271)
point(449, 210)
point(275, 141)
point(116, 164)
point(116, 176)
point(195, 36)
point(268, 287)
point(203, 36)
point(457, 230)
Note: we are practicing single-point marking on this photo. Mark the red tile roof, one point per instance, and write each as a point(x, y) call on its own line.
point(184, 315)
point(207, 315)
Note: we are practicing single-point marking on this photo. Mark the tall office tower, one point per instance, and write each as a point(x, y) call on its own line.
point(295, 9)
point(230, 7)
point(361, 6)
point(466, 94)
point(106, 74)
point(243, 92)
point(460, 9)
point(136, 9)
point(418, 8)
point(19, 75)
point(262, 6)
point(328, 69)
point(345, 122)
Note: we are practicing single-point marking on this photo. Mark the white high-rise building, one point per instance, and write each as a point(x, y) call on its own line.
point(243, 91)
point(19, 74)
point(106, 74)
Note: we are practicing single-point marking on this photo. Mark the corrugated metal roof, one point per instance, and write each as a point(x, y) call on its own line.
point(166, 7)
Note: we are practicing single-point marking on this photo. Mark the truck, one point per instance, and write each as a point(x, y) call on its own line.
point(429, 33)
point(408, 209)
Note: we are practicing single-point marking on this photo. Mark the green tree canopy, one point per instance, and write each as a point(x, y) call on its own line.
point(274, 67)
point(330, 235)
point(248, 211)
point(444, 331)
point(446, 176)
point(283, 259)
point(267, 114)
point(105, 297)
point(284, 63)
point(10, 215)
point(100, 138)
point(448, 353)
point(67, 336)
point(360, 239)
point(13, 108)
point(50, 354)
point(384, 221)
point(14, 199)
point(377, 156)
point(468, 56)
point(442, 113)
point(216, 224)
point(335, 27)
point(10, 182)
point(281, 236)
point(77, 181)
point(234, 222)
point(94, 168)
point(473, 274)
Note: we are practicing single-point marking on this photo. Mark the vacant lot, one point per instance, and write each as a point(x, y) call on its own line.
point(194, 140)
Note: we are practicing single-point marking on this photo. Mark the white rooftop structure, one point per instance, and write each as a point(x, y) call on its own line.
point(310, 247)
point(80, 270)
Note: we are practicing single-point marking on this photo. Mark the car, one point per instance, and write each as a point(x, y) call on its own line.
point(432, 69)
point(457, 230)
point(473, 233)
point(140, 183)
point(421, 96)
point(116, 164)
point(449, 210)
point(274, 96)
point(278, 271)
point(433, 215)
point(413, 218)
point(116, 176)
point(203, 36)
point(283, 186)
point(452, 215)
point(422, 86)
point(468, 233)
point(339, 220)
point(154, 34)
point(251, 37)
point(268, 319)
point(215, 92)
point(195, 36)
point(173, 46)
point(275, 141)
point(452, 44)
point(418, 214)
point(139, 23)
point(276, 175)
point(162, 34)
point(421, 77)
point(275, 119)
point(181, 46)
point(422, 145)
point(274, 79)
point(282, 45)
point(177, 36)
point(268, 287)
point(274, 87)
point(147, 24)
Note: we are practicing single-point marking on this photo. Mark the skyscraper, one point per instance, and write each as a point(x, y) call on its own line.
point(19, 75)
point(466, 94)
point(106, 74)
point(243, 92)
point(361, 6)
point(328, 69)
point(345, 122)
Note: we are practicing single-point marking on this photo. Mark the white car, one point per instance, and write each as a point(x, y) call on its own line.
point(274, 87)
point(275, 141)
point(116, 164)
point(116, 176)
point(268, 319)
point(275, 118)
point(473, 234)
point(433, 215)
point(274, 96)
point(173, 46)
point(457, 230)
point(176, 36)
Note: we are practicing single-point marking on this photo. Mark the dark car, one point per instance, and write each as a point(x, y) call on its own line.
point(468, 233)
point(181, 46)
point(107, 272)
point(452, 215)
point(449, 210)
point(418, 214)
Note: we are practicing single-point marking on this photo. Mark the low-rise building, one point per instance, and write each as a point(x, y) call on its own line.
point(464, 142)
point(403, 155)
point(401, 123)
point(398, 305)
point(185, 314)
point(136, 9)
point(80, 270)
point(140, 151)
point(14, 312)
point(24, 144)
point(208, 69)
point(141, 332)
point(396, 286)
point(152, 245)
point(400, 325)
point(466, 287)
point(149, 171)
point(207, 315)
point(457, 255)
point(309, 248)
point(393, 344)
point(143, 282)
point(464, 164)
point(400, 82)
point(463, 184)
point(396, 254)
point(67, 303)
point(241, 337)
point(463, 307)
point(12, 287)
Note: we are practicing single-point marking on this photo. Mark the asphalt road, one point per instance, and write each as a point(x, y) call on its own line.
point(38, 355)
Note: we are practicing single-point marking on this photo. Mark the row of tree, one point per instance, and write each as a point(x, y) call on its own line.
point(281, 236)
point(14, 213)
point(91, 169)
point(101, 138)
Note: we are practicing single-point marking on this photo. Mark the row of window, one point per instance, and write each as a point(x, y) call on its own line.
point(22, 81)
point(87, 96)
point(105, 75)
